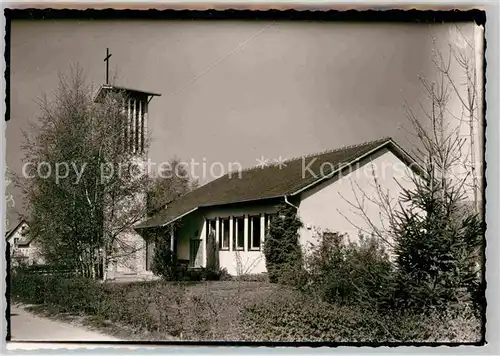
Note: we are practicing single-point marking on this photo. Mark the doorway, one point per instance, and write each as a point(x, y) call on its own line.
point(194, 253)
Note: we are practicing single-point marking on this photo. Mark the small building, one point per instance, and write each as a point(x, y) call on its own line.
point(237, 207)
point(23, 246)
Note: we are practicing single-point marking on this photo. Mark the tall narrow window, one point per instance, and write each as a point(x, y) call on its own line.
point(210, 227)
point(254, 232)
point(141, 120)
point(136, 126)
point(224, 234)
point(239, 233)
point(127, 128)
point(211, 250)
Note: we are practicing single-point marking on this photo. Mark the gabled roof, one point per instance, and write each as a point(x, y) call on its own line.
point(11, 232)
point(271, 181)
point(25, 240)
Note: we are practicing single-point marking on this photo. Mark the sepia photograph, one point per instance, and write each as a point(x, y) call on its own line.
point(245, 177)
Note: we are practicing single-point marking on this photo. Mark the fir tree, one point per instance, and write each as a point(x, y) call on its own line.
point(281, 247)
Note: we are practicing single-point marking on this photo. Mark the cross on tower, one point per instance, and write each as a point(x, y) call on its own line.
point(108, 56)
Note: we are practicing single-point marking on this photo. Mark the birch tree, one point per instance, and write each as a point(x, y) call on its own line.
point(9, 198)
point(82, 189)
point(460, 64)
point(443, 136)
point(437, 241)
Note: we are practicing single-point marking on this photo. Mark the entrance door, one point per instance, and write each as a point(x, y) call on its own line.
point(194, 252)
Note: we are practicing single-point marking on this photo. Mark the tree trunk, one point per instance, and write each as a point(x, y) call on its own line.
point(105, 264)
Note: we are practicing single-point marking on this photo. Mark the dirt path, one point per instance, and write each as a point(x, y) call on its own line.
point(29, 327)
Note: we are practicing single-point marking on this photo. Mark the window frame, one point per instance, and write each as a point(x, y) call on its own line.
point(236, 235)
point(250, 233)
point(209, 221)
point(221, 234)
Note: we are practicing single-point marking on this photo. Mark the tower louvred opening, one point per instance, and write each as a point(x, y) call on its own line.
point(135, 107)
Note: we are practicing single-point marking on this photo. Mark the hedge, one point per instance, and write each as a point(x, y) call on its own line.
point(293, 316)
point(234, 310)
point(186, 310)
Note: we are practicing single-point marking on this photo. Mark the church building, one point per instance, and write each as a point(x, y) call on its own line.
point(135, 105)
point(235, 210)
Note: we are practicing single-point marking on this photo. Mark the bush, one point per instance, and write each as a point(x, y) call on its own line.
point(76, 295)
point(350, 273)
point(27, 288)
point(165, 263)
point(437, 257)
point(256, 277)
point(292, 316)
point(45, 269)
point(215, 274)
point(225, 276)
point(281, 247)
point(184, 274)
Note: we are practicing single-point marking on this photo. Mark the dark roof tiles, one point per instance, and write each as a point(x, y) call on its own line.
point(261, 183)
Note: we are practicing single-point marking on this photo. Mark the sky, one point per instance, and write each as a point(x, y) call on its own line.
point(234, 91)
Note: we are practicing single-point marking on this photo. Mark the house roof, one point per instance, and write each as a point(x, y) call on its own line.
point(271, 181)
point(11, 232)
point(25, 240)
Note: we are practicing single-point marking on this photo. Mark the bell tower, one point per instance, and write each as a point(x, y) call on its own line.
point(135, 105)
point(130, 259)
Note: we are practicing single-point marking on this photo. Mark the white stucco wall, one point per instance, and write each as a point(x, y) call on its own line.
point(323, 207)
point(192, 228)
point(320, 208)
point(30, 254)
point(243, 262)
point(235, 262)
point(131, 257)
point(130, 247)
